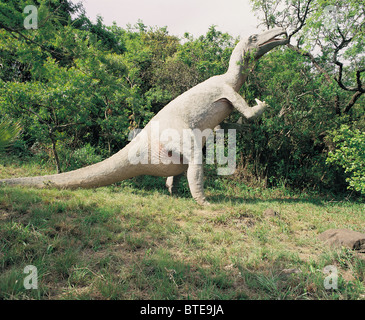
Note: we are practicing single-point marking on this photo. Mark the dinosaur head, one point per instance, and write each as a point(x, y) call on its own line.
point(266, 41)
point(254, 47)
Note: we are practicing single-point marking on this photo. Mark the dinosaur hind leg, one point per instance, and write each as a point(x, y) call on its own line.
point(172, 183)
point(195, 176)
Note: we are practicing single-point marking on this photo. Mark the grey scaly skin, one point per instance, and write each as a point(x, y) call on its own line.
point(202, 107)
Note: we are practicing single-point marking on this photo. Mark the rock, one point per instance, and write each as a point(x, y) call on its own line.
point(344, 237)
point(270, 213)
point(290, 271)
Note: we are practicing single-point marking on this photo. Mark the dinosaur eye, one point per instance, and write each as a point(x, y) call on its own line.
point(253, 38)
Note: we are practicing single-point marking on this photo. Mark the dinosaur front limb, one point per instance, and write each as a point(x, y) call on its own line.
point(242, 106)
point(259, 109)
point(195, 177)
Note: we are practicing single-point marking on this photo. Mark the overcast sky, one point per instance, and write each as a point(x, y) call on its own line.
point(180, 16)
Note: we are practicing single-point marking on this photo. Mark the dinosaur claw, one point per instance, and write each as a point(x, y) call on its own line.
point(261, 104)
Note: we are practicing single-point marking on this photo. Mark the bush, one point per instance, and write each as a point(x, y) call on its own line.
point(8, 133)
point(82, 157)
point(349, 153)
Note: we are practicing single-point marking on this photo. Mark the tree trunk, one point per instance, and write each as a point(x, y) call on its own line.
point(353, 100)
point(54, 150)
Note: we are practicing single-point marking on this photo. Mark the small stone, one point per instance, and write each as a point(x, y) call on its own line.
point(290, 271)
point(270, 213)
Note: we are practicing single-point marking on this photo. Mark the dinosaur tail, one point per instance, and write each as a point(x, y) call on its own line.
point(113, 169)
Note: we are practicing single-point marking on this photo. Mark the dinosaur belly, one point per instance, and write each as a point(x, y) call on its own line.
point(169, 161)
point(215, 114)
point(160, 159)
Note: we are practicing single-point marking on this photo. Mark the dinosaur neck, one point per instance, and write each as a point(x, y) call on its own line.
point(235, 74)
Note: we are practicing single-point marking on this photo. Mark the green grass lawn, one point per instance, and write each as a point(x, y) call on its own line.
point(134, 241)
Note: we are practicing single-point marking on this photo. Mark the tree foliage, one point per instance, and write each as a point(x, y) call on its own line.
point(78, 88)
point(349, 153)
point(331, 35)
point(314, 84)
point(8, 133)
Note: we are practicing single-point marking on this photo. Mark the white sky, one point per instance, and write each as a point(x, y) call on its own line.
point(180, 16)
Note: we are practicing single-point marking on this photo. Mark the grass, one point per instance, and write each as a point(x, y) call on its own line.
point(134, 241)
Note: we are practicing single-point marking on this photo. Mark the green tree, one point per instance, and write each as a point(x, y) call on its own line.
point(349, 153)
point(209, 54)
point(58, 80)
point(287, 143)
point(330, 34)
point(313, 85)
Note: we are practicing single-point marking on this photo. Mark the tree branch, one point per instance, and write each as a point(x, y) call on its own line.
point(358, 80)
point(27, 39)
point(62, 126)
point(342, 45)
point(353, 100)
point(301, 19)
point(321, 70)
point(311, 57)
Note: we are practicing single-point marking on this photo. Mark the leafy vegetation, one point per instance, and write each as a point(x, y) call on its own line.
point(72, 83)
point(350, 154)
point(8, 133)
point(77, 88)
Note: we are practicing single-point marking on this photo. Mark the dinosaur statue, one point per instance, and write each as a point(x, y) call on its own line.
point(202, 107)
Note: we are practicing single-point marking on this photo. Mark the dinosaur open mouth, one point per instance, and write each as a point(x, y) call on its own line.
point(279, 37)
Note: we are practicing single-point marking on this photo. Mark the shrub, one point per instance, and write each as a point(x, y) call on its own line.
point(8, 133)
point(349, 153)
point(82, 157)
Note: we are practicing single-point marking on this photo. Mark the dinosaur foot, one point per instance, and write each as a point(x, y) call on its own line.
point(172, 191)
point(203, 202)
